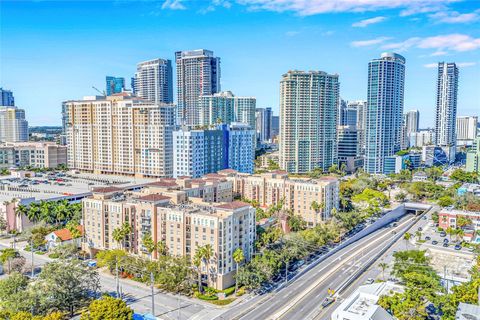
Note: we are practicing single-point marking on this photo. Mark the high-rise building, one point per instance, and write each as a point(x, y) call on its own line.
point(264, 124)
point(6, 98)
point(154, 81)
point(412, 121)
point(348, 114)
point(349, 148)
point(308, 120)
point(446, 112)
point(466, 127)
point(386, 80)
point(361, 108)
point(275, 126)
point(197, 152)
point(114, 85)
point(13, 126)
point(120, 135)
point(225, 107)
point(33, 154)
point(473, 157)
point(198, 74)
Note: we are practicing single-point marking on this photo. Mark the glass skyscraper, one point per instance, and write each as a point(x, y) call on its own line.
point(154, 81)
point(6, 97)
point(385, 94)
point(114, 85)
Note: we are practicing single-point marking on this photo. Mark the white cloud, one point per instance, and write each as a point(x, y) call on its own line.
point(442, 43)
point(173, 5)
point(311, 7)
point(366, 22)
point(438, 53)
point(291, 33)
point(466, 64)
point(455, 17)
point(459, 64)
point(371, 42)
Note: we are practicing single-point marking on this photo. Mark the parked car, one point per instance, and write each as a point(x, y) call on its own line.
point(445, 244)
point(420, 229)
point(434, 242)
point(445, 240)
point(427, 238)
point(458, 247)
point(327, 301)
point(369, 281)
point(443, 234)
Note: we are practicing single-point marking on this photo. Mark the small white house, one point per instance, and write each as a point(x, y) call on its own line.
point(62, 236)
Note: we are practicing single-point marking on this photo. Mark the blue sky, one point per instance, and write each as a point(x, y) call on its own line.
point(52, 51)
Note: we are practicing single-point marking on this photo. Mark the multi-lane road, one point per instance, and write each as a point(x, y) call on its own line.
point(302, 298)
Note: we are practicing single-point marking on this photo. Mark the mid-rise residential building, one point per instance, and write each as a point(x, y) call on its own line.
point(201, 151)
point(154, 81)
point(198, 152)
point(448, 218)
point(13, 126)
point(308, 120)
point(225, 107)
point(421, 138)
point(120, 134)
point(467, 130)
point(397, 163)
point(446, 112)
point(114, 85)
point(386, 80)
point(473, 157)
point(6, 98)
point(182, 228)
point(263, 118)
point(349, 157)
point(198, 74)
point(32, 154)
point(296, 194)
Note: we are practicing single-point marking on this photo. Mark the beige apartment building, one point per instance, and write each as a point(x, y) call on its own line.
point(34, 154)
point(182, 227)
point(119, 134)
point(297, 194)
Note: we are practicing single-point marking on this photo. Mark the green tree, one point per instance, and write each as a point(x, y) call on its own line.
point(207, 255)
point(296, 222)
point(108, 258)
point(7, 255)
point(401, 196)
point(238, 257)
point(418, 234)
point(197, 263)
point(407, 236)
point(68, 284)
point(13, 293)
point(108, 308)
point(445, 201)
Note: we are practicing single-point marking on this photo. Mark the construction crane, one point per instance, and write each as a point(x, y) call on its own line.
point(101, 92)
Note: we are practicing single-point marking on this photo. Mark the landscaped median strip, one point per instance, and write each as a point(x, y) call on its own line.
point(299, 297)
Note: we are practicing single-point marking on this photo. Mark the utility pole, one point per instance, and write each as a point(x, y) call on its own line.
point(152, 280)
point(31, 250)
point(116, 277)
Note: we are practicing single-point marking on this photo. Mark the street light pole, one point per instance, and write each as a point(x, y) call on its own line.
point(153, 293)
point(31, 250)
point(116, 277)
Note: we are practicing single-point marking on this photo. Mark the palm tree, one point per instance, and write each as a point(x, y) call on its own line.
point(117, 235)
point(459, 234)
point(149, 245)
point(383, 266)
point(418, 234)
point(6, 255)
point(197, 262)
point(238, 257)
point(207, 254)
point(407, 236)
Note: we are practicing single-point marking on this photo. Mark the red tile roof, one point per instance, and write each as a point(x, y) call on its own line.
point(153, 197)
point(106, 190)
point(65, 235)
point(233, 205)
point(227, 171)
point(163, 183)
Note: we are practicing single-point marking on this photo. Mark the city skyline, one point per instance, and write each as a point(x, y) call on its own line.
point(443, 32)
